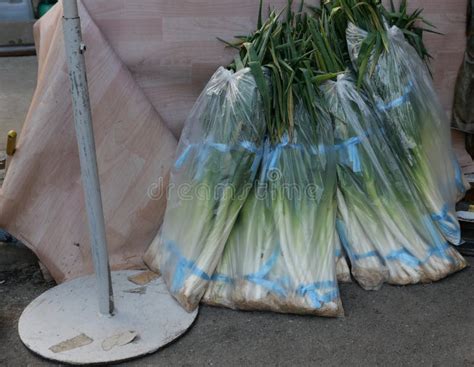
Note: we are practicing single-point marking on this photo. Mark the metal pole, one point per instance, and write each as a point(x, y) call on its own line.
point(75, 49)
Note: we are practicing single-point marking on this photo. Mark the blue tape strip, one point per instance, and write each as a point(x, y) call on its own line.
point(441, 246)
point(285, 144)
point(448, 224)
point(184, 268)
point(314, 292)
point(404, 256)
point(222, 148)
point(221, 278)
point(268, 284)
point(183, 157)
point(351, 145)
point(259, 277)
point(398, 101)
point(341, 230)
point(440, 249)
point(442, 216)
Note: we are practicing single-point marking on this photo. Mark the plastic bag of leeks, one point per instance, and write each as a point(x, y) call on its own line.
point(387, 233)
point(415, 124)
point(280, 255)
point(218, 156)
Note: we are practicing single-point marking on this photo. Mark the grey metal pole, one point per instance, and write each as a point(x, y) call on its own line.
point(75, 49)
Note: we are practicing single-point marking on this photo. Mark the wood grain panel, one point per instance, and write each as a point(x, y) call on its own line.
point(187, 37)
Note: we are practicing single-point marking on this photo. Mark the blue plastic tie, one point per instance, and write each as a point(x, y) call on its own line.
point(222, 148)
point(353, 152)
point(183, 157)
point(259, 277)
point(221, 278)
point(404, 256)
point(448, 225)
point(398, 101)
point(440, 245)
point(351, 145)
point(341, 230)
point(442, 216)
point(317, 297)
point(183, 267)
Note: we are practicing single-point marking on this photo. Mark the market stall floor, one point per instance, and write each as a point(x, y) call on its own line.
point(411, 326)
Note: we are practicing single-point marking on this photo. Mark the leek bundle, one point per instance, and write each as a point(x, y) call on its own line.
point(416, 125)
point(247, 276)
point(218, 157)
point(281, 252)
point(387, 236)
point(286, 262)
point(395, 76)
point(390, 237)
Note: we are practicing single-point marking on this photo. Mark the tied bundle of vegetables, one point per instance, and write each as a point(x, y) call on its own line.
point(286, 263)
point(417, 127)
point(218, 157)
point(281, 252)
point(306, 217)
point(248, 273)
point(389, 237)
point(400, 83)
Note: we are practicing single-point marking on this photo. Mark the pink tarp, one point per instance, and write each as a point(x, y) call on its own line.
point(147, 62)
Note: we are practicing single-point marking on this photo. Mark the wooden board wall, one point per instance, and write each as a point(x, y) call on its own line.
point(171, 48)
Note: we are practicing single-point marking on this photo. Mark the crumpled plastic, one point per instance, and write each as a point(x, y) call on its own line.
point(217, 160)
point(416, 125)
point(281, 255)
point(387, 233)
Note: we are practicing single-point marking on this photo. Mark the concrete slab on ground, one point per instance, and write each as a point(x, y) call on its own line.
point(426, 325)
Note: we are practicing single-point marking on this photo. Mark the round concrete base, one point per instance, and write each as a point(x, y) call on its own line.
point(63, 324)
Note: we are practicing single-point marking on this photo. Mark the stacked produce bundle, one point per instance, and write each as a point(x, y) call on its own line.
point(414, 122)
point(281, 255)
point(388, 236)
point(321, 140)
point(392, 237)
point(218, 157)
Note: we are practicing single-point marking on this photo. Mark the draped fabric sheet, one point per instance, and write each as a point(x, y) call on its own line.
point(147, 62)
point(41, 201)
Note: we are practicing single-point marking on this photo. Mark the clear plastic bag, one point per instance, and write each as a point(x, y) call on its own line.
point(281, 253)
point(416, 126)
point(217, 160)
point(387, 234)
